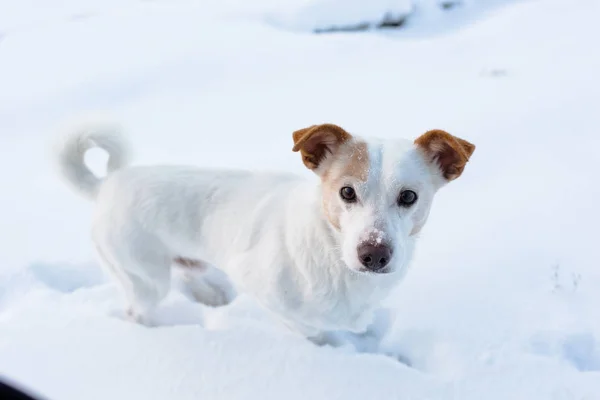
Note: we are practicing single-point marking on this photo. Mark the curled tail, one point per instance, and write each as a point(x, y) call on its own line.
point(72, 149)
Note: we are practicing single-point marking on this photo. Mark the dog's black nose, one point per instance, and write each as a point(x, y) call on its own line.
point(374, 256)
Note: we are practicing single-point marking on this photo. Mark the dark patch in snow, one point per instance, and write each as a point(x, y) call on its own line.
point(389, 21)
point(563, 280)
point(346, 28)
point(449, 4)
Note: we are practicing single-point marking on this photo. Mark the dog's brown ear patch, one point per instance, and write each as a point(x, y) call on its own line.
point(316, 141)
point(450, 152)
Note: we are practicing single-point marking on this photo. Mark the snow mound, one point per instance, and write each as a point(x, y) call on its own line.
point(325, 16)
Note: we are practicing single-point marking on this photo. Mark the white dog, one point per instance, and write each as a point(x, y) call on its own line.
point(321, 255)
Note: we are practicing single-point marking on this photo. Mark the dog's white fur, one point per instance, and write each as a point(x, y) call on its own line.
point(270, 233)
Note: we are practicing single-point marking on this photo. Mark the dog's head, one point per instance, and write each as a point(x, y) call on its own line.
point(377, 194)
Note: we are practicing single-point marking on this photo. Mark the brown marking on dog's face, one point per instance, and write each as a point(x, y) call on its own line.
point(337, 157)
point(317, 142)
point(350, 165)
point(450, 152)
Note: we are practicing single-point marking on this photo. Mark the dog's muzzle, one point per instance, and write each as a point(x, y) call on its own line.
point(374, 257)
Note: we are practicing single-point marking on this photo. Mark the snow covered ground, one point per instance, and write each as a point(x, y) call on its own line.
point(503, 298)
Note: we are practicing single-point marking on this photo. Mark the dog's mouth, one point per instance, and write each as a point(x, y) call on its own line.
point(382, 271)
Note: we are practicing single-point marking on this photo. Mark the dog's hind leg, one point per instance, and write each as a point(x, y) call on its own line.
point(205, 283)
point(142, 269)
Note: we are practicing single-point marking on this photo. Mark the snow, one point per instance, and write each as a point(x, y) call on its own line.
point(502, 298)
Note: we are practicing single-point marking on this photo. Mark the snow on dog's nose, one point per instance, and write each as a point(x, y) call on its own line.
point(375, 251)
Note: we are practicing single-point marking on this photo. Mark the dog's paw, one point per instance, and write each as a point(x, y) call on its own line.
point(211, 295)
point(211, 288)
point(132, 316)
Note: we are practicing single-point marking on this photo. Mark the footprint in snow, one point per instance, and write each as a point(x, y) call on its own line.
point(580, 349)
point(67, 278)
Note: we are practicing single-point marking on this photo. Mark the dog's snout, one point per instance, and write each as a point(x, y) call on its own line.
point(374, 256)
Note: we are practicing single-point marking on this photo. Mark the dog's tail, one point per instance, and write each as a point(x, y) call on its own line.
point(77, 141)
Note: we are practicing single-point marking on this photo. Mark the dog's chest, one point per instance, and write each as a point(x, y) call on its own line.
point(329, 302)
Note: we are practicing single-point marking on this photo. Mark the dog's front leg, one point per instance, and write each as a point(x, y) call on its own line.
point(329, 338)
point(369, 341)
point(363, 342)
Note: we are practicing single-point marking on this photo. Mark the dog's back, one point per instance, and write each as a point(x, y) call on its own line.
point(148, 218)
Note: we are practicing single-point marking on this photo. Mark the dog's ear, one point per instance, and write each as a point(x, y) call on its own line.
point(316, 141)
point(449, 152)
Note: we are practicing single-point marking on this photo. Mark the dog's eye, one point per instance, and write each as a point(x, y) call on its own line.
point(348, 194)
point(407, 198)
